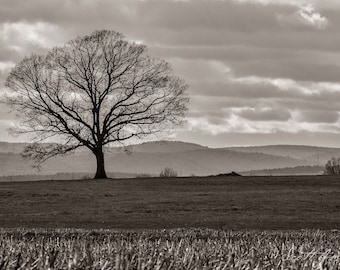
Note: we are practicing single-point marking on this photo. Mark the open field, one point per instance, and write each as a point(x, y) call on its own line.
point(168, 249)
point(154, 203)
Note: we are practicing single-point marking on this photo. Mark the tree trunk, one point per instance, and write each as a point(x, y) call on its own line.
point(100, 173)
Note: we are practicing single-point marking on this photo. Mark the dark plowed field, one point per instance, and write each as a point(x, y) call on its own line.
point(214, 202)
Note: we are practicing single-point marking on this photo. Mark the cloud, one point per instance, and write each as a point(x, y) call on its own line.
point(306, 12)
point(262, 104)
point(298, 3)
point(6, 66)
point(306, 15)
point(315, 68)
point(19, 39)
point(297, 64)
point(16, 35)
point(285, 84)
point(235, 124)
point(265, 114)
point(310, 16)
point(318, 117)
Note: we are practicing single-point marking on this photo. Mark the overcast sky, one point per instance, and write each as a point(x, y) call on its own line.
point(260, 71)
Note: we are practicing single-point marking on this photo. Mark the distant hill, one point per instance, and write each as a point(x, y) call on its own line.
point(164, 147)
point(186, 158)
point(299, 170)
point(199, 162)
point(312, 154)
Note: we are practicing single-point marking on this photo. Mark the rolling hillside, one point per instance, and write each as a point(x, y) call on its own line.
point(186, 158)
point(311, 154)
point(198, 162)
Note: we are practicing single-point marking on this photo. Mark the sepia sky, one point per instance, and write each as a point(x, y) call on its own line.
point(260, 71)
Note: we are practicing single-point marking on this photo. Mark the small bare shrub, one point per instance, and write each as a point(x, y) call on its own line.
point(168, 172)
point(332, 166)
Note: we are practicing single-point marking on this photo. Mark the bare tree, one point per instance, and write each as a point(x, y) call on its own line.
point(92, 92)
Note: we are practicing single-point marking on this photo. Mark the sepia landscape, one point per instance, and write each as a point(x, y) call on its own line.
point(173, 134)
point(187, 159)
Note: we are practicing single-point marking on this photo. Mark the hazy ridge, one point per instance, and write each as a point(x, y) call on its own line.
point(186, 158)
point(302, 152)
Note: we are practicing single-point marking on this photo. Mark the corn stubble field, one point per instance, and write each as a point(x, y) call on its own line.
point(226, 223)
point(169, 249)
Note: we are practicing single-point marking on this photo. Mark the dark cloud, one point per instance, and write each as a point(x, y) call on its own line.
point(199, 14)
point(318, 103)
point(232, 53)
point(296, 69)
point(203, 105)
point(319, 117)
point(245, 92)
point(266, 114)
